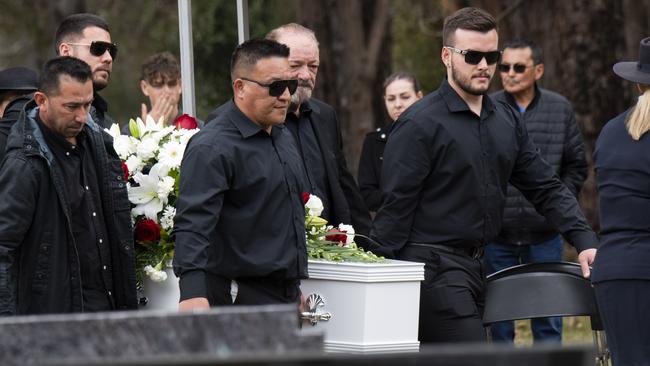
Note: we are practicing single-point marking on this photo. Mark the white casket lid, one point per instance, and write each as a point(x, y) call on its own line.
point(387, 271)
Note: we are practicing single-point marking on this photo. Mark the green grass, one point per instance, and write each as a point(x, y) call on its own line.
point(575, 330)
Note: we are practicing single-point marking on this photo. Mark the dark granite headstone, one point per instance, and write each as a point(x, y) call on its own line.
point(222, 333)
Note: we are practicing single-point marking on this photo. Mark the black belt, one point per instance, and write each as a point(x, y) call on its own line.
point(474, 252)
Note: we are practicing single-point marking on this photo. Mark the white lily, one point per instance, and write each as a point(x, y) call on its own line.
point(114, 131)
point(146, 198)
point(124, 146)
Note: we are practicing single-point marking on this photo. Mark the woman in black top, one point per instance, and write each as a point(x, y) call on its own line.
point(621, 274)
point(400, 91)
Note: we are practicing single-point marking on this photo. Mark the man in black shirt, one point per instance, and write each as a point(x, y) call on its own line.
point(447, 164)
point(239, 226)
point(316, 129)
point(65, 228)
point(87, 37)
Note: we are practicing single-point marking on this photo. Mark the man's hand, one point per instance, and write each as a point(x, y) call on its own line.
point(586, 258)
point(195, 303)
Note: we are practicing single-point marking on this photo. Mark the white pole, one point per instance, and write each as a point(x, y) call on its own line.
point(187, 55)
point(242, 21)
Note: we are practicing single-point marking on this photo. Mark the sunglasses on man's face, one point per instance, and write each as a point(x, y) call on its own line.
point(98, 48)
point(519, 68)
point(277, 87)
point(475, 57)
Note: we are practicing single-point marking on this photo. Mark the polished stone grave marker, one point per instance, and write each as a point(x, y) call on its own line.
point(221, 333)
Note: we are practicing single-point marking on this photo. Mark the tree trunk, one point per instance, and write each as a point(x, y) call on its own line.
point(355, 57)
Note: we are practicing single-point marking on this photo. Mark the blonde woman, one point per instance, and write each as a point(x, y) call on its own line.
point(621, 274)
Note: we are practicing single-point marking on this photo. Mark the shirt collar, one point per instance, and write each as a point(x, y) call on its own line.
point(456, 104)
point(99, 103)
point(60, 143)
point(246, 127)
point(511, 100)
point(305, 110)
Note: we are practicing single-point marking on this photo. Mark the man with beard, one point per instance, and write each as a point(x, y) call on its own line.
point(316, 130)
point(526, 236)
point(447, 164)
point(86, 37)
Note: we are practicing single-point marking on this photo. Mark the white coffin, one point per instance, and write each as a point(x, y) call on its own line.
point(374, 306)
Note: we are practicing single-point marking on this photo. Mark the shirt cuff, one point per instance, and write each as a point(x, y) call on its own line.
point(193, 284)
point(584, 240)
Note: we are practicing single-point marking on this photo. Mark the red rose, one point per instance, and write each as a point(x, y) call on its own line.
point(186, 121)
point(337, 236)
point(147, 230)
point(305, 197)
point(125, 168)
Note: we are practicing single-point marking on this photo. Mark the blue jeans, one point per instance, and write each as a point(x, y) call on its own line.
point(500, 256)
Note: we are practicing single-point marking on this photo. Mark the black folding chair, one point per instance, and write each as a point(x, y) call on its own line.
point(539, 290)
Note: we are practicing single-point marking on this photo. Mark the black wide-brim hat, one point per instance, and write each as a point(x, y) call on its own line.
point(636, 71)
point(18, 78)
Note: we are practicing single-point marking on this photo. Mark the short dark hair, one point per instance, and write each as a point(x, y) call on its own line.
point(161, 66)
point(74, 26)
point(402, 75)
point(473, 19)
point(53, 69)
point(526, 43)
point(248, 53)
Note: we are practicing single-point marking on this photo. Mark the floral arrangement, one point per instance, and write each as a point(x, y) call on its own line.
point(326, 242)
point(151, 158)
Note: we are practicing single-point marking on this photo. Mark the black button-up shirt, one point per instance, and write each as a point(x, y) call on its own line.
point(239, 212)
point(310, 152)
point(446, 172)
point(88, 226)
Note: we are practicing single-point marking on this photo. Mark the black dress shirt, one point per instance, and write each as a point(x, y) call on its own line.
point(99, 112)
point(446, 172)
point(239, 212)
point(312, 157)
point(88, 226)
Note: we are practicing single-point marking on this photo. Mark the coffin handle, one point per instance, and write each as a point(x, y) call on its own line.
point(315, 313)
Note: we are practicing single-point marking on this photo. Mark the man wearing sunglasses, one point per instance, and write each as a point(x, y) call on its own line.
point(239, 226)
point(526, 236)
point(87, 37)
point(316, 130)
point(447, 164)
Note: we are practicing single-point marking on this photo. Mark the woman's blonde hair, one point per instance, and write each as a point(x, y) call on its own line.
point(638, 121)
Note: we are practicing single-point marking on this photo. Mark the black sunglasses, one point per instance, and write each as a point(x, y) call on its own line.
point(475, 57)
point(519, 68)
point(277, 87)
point(98, 48)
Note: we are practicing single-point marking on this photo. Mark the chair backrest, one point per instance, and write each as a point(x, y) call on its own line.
point(539, 290)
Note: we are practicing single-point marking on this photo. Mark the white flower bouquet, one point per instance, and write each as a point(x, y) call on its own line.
point(151, 158)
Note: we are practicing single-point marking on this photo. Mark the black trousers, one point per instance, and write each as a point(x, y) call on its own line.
point(253, 291)
point(451, 295)
point(624, 306)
